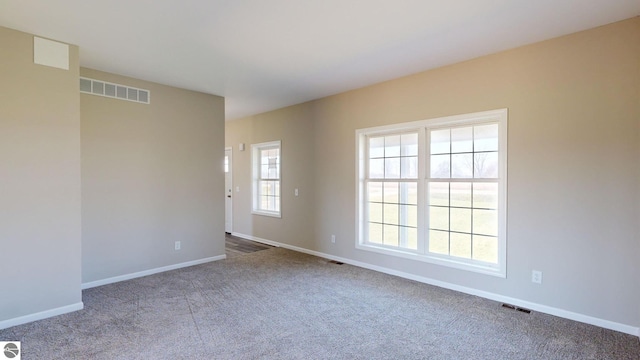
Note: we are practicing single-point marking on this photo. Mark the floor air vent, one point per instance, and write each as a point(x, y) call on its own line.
point(115, 91)
point(513, 307)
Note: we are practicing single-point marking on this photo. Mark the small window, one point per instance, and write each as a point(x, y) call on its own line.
point(266, 178)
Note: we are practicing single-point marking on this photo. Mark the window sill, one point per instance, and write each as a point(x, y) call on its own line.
point(448, 262)
point(267, 213)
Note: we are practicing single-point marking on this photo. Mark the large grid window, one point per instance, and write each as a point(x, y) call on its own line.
point(266, 178)
point(435, 190)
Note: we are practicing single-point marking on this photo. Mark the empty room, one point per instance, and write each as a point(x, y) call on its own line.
point(310, 179)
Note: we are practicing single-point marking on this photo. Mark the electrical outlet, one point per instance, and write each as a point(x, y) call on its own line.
point(177, 246)
point(333, 239)
point(296, 191)
point(536, 276)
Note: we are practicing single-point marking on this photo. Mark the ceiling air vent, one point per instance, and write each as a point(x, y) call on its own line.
point(116, 91)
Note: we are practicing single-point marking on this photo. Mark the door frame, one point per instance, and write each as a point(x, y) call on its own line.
point(229, 199)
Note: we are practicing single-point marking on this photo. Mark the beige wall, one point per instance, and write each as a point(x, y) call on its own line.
point(295, 128)
point(151, 175)
point(39, 183)
point(574, 174)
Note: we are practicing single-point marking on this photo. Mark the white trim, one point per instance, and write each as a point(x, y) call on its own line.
point(125, 277)
point(230, 174)
point(607, 324)
point(5, 324)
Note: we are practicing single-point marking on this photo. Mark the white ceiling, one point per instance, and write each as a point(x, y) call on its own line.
point(266, 54)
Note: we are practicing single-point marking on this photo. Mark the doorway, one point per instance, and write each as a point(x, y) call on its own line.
point(228, 188)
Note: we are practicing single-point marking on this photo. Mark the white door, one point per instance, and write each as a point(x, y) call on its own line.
point(228, 187)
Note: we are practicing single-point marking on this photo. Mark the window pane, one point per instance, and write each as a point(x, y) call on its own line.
point(375, 212)
point(376, 168)
point(440, 166)
point(438, 218)
point(485, 195)
point(391, 192)
point(409, 215)
point(409, 193)
point(392, 168)
point(276, 188)
point(460, 220)
point(409, 145)
point(390, 235)
point(271, 203)
point(375, 191)
point(391, 214)
point(375, 233)
point(485, 248)
point(462, 166)
point(409, 167)
point(273, 172)
point(462, 140)
point(485, 222)
point(392, 145)
point(485, 165)
point(461, 194)
point(440, 141)
point(485, 137)
point(461, 245)
point(439, 242)
point(376, 147)
point(439, 194)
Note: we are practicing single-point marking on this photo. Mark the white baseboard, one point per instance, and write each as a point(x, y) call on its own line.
point(40, 315)
point(627, 329)
point(115, 279)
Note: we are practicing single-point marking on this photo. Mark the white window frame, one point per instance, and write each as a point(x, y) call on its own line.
point(255, 151)
point(500, 117)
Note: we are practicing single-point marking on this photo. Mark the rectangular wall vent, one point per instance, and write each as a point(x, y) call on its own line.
point(116, 91)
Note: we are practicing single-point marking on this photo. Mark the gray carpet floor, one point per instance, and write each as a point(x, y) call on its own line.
point(280, 304)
